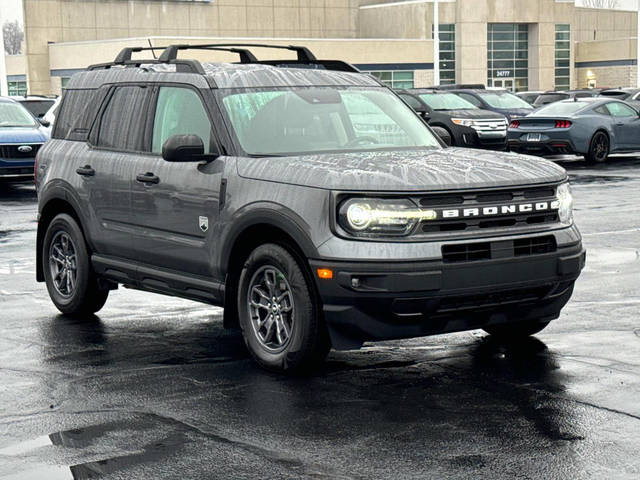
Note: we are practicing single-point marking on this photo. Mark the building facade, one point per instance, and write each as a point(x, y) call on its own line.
point(513, 44)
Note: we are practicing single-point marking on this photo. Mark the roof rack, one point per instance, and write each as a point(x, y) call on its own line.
point(304, 55)
point(170, 53)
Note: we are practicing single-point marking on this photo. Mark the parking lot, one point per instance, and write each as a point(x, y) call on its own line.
point(153, 387)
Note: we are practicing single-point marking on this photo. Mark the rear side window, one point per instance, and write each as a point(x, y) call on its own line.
point(124, 119)
point(75, 115)
point(180, 111)
point(621, 110)
point(412, 101)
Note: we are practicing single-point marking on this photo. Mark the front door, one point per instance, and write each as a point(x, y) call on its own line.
point(175, 205)
point(508, 85)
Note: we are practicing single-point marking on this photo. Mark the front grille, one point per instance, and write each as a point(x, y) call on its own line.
point(12, 152)
point(472, 252)
point(467, 252)
point(481, 200)
point(534, 246)
point(490, 126)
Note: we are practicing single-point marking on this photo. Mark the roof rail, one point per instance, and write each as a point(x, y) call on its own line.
point(304, 55)
point(124, 59)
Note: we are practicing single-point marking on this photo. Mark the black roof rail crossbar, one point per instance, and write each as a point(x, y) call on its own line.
point(460, 86)
point(125, 54)
point(303, 53)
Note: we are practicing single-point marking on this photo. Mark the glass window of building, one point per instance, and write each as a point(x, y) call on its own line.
point(508, 56)
point(563, 54)
point(395, 79)
point(17, 88)
point(447, 53)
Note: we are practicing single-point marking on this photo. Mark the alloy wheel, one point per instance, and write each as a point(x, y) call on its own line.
point(270, 305)
point(63, 264)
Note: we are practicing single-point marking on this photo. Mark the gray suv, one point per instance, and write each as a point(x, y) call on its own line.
point(304, 197)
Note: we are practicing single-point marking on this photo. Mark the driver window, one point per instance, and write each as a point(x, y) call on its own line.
point(179, 111)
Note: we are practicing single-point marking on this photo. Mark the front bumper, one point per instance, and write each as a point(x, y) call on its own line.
point(389, 300)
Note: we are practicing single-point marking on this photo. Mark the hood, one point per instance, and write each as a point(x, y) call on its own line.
point(424, 170)
point(23, 134)
point(471, 113)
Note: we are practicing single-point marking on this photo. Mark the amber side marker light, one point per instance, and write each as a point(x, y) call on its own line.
point(325, 273)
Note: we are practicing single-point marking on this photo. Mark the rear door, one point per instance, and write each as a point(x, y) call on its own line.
point(175, 205)
point(115, 144)
point(626, 125)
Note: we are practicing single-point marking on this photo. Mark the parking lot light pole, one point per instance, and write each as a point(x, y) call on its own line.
point(4, 88)
point(638, 48)
point(436, 43)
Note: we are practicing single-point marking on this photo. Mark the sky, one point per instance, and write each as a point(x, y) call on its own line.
point(11, 10)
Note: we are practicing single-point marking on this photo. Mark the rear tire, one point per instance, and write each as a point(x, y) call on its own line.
point(71, 282)
point(515, 331)
point(598, 148)
point(280, 318)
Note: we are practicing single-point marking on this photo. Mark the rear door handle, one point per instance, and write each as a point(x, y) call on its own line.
point(148, 177)
point(86, 171)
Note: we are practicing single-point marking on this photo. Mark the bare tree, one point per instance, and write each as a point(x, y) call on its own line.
point(601, 3)
point(13, 37)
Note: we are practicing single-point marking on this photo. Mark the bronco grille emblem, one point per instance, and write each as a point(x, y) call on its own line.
point(25, 148)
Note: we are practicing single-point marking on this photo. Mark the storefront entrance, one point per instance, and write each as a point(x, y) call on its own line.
point(508, 56)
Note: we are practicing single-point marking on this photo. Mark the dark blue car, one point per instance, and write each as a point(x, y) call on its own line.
point(21, 136)
point(499, 101)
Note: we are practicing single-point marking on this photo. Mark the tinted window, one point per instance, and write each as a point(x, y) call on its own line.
point(75, 114)
point(621, 110)
point(123, 120)
point(446, 101)
point(471, 99)
point(180, 111)
point(560, 108)
point(38, 107)
point(412, 101)
point(546, 98)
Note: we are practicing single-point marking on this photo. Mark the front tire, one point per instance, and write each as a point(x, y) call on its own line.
point(72, 285)
point(598, 148)
point(515, 331)
point(278, 312)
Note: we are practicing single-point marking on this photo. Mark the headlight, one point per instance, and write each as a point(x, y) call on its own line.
point(379, 217)
point(565, 201)
point(465, 122)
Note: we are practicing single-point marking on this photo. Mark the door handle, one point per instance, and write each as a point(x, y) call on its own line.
point(148, 177)
point(620, 124)
point(86, 171)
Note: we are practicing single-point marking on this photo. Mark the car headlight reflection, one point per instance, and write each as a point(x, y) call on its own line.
point(377, 216)
point(565, 207)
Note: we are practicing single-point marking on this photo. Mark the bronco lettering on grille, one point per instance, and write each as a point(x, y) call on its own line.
point(501, 210)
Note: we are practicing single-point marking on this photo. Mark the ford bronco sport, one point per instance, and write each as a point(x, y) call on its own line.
point(304, 197)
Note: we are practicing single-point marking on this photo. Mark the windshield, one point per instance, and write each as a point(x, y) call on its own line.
point(38, 107)
point(503, 100)
point(15, 115)
point(559, 108)
point(446, 101)
point(313, 120)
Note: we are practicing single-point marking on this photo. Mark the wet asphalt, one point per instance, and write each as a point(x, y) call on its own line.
point(153, 387)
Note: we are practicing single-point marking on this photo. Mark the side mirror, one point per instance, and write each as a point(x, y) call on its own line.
point(424, 114)
point(443, 134)
point(44, 123)
point(184, 148)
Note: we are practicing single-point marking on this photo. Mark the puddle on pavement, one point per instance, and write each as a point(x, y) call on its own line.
point(91, 440)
